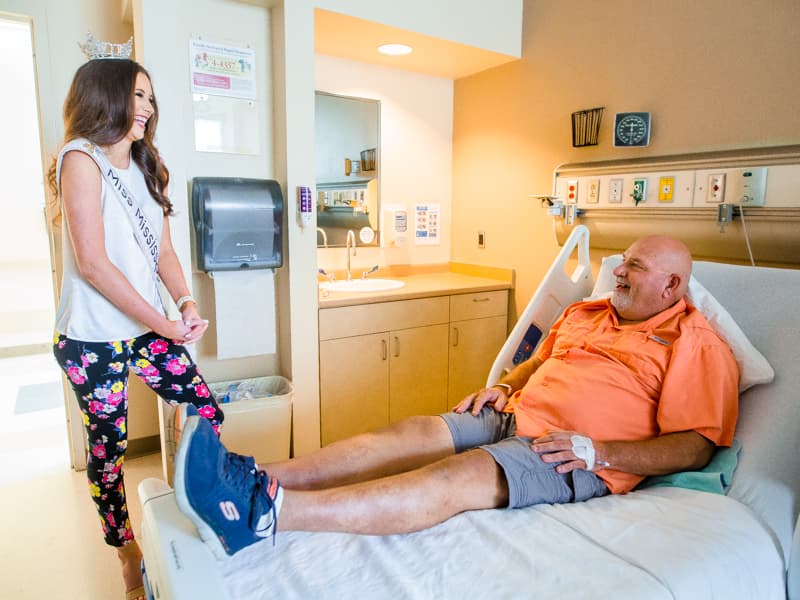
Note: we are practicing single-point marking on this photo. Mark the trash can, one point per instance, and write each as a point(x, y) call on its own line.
point(258, 419)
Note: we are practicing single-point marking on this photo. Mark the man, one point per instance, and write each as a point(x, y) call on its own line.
point(620, 389)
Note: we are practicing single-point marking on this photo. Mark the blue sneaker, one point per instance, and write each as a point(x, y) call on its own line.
point(231, 502)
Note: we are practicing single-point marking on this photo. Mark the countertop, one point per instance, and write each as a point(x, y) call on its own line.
point(423, 285)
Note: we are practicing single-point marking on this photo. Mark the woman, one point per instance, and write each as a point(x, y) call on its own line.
point(111, 317)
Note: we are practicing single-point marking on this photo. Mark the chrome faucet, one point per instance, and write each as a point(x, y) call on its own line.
point(351, 239)
point(321, 231)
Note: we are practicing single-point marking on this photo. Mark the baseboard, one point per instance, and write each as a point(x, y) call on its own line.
point(143, 446)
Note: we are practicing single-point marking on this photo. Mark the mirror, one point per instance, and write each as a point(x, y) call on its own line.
point(347, 134)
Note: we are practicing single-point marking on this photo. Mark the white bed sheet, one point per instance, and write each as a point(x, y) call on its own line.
point(650, 544)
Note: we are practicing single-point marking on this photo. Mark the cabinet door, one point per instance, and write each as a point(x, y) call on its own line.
point(354, 386)
point(474, 345)
point(418, 371)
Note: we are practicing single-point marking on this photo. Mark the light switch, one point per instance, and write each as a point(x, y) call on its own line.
point(615, 191)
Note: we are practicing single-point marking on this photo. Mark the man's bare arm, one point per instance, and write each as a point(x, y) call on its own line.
point(495, 396)
point(669, 453)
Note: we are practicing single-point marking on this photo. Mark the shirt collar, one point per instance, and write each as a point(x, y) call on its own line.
point(653, 322)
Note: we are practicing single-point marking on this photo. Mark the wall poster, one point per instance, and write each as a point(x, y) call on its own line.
point(223, 85)
point(222, 69)
point(427, 222)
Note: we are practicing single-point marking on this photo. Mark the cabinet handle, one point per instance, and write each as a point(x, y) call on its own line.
point(396, 346)
point(384, 354)
point(481, 299)
point(455, 336)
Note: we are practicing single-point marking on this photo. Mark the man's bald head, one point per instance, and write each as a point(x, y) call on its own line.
point(653, 276)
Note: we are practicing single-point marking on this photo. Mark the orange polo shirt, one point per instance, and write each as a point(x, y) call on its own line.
point(609, 381)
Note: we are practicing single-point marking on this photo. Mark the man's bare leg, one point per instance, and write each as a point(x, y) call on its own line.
point(400, 447)
point(402, 503)
point(233, 506)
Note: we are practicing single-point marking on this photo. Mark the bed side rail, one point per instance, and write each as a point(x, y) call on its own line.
point(557, 290)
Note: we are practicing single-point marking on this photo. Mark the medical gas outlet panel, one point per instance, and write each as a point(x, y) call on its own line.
point(663, 189)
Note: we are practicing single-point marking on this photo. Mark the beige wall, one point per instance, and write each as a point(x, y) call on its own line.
point(715, 75)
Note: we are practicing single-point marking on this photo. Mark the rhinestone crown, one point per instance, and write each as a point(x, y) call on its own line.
point(94, 49)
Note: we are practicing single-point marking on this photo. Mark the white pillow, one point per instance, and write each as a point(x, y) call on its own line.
point(753, 367)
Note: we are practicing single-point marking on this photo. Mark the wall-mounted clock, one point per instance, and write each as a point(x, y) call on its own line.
point(632, 129)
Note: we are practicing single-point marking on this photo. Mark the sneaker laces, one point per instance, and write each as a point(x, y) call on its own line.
point(242, 472)
point(238, 468)
point(262, 501)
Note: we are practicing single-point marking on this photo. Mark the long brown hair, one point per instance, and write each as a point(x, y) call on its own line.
point(100, 108)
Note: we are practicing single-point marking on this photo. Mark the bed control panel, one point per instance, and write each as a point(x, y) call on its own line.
point(528, 344)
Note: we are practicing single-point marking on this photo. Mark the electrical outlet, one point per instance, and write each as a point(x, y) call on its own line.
point(748, 186)
point(481, 240)
point(572, 191)
point(639, 193)
point(593, 192)
point(715, 191)
point(666, 189)
point(615, 191)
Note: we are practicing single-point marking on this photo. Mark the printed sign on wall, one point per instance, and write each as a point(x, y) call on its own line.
point(427, 222)
point(222, 69)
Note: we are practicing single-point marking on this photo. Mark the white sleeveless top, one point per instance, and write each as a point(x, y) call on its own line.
point(83, 312)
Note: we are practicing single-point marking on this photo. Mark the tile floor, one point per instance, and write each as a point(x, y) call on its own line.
point(51, 545)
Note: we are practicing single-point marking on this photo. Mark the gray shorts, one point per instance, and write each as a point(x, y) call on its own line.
point(530, 481)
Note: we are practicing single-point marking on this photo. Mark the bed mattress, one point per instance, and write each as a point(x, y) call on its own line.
point(650, 544)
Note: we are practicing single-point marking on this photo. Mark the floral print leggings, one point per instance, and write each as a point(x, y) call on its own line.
point(98, 372)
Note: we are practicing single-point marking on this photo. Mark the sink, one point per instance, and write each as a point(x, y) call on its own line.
point(362, 285)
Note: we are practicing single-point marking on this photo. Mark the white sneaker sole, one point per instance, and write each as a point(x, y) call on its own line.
point(206, 533)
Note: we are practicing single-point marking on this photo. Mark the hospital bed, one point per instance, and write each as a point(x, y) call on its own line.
point(659, 542)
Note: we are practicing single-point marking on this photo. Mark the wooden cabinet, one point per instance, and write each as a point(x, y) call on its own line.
point(382, 362)
point(478, 325)
point(418, 372)
point(354, 390)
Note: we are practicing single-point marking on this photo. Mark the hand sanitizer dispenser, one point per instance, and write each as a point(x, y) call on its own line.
point(237, 223)
point(395, 226)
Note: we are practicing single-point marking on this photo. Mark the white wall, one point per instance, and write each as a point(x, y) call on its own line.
point(164, 30)
point(58, 27)
point(283, 38)
point(415, 150)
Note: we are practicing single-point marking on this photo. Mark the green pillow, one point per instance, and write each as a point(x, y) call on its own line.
point(715, 477)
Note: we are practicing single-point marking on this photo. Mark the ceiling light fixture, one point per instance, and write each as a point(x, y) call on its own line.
point(395, 49)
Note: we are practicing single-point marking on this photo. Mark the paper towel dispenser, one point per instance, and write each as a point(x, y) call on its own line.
point(237, 223)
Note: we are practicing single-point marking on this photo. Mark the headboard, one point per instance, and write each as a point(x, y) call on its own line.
point(763, 303)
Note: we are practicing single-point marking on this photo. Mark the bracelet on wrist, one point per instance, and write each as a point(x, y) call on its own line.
point(505, 386)
point(183, 300)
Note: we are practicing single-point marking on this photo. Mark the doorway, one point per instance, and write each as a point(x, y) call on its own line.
point(31, 392)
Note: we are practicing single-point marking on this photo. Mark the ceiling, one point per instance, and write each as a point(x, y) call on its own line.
point(357, 39)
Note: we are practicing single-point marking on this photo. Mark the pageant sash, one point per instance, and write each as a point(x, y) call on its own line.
point(143, 230)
